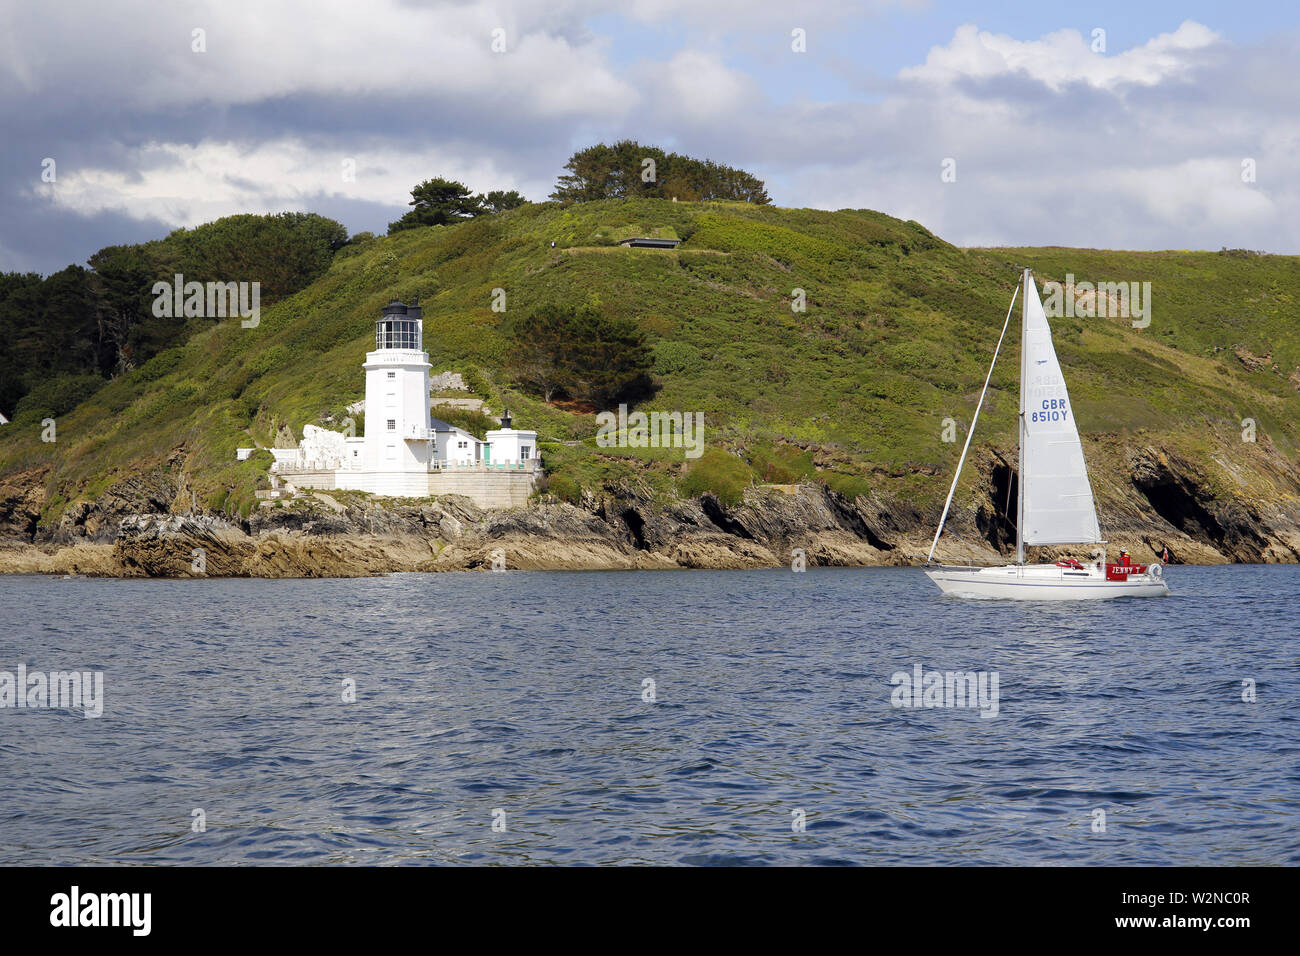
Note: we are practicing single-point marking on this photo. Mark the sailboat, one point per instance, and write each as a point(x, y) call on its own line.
point(1055, 504)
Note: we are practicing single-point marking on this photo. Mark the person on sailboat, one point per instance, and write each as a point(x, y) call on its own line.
point(1124, 558)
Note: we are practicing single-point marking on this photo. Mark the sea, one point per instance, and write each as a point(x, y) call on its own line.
point(649, 718)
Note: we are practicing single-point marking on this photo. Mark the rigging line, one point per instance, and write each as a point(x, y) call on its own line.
point(970, 434)
point(963, 540)
point(1006, 508)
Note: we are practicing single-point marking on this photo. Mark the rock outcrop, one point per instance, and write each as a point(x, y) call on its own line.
point(147, 525)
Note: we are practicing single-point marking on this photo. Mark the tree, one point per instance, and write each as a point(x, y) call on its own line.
point(538, 344)
point(581, 353)
point(121, 284)
point(443, 202)
point(499, 201)
point(628, 170)
point(611, 360)
point(592, 175)
point(99, 321)
point(438, 202)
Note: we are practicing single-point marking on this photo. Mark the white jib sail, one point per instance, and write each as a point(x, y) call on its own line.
point(1058, 505)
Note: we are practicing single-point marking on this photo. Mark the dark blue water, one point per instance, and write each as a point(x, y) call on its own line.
point(522, 692)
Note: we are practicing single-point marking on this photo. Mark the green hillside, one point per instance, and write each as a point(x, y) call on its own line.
point(897, 335)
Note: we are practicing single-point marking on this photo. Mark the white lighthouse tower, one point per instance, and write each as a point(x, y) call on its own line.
point(396, 447)
point(405, 452)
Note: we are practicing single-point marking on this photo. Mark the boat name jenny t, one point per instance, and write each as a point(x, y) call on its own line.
point(1055, 504)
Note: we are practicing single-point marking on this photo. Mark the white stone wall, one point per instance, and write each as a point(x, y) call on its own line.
point(487, 489)
point(393, 484)
point(284, 457)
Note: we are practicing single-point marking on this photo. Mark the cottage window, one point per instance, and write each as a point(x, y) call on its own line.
point(392, 424)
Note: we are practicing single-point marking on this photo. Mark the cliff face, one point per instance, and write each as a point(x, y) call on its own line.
point(146, 526)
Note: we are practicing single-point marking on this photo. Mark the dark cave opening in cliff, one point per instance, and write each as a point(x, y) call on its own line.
point(715, 512)
point(996, 520)
point(636, 526)
point(1233, 531)
point(1174, 502)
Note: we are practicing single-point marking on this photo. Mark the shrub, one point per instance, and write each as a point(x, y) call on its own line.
point(781, 464)
point(277, 356)
point(476, 382)
point(850, 486)
point(676, 358)
point(564, 488)
point(57, 396)
point(720, 473)
point(472, 420)
point(164, 363)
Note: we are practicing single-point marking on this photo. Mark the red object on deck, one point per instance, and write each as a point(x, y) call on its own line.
point(1121, 572)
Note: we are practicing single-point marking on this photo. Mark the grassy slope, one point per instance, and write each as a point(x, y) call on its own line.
point(897, 335)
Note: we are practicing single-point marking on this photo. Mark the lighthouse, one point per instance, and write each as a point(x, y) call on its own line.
point(404, 451)
point(395, 448)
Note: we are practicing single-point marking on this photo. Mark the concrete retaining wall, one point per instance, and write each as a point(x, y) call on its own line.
point(487, 489)
point(309, 479)
point(391, 484)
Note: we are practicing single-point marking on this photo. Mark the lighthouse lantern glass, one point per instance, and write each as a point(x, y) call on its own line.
point(397, 334)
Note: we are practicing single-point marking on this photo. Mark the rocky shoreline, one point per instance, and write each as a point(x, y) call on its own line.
point(145, 526)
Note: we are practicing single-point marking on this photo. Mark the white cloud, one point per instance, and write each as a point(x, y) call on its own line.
point(1060, 58)
point(1056, 145)
point(187, 185)
point(731, 16)
point(1195, 191)
point(698, 87)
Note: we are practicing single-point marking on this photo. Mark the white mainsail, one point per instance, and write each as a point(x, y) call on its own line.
point(1056, 499)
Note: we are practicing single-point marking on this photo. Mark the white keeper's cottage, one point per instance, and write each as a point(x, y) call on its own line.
point(405, 451)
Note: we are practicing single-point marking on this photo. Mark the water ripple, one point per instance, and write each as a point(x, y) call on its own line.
point(500, 719)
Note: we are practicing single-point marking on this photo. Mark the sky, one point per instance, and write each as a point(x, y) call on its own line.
point(1151, 125)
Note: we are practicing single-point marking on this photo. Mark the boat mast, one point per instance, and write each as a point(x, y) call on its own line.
point(1020, 474)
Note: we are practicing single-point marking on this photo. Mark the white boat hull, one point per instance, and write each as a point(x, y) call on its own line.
point(1046, 582)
